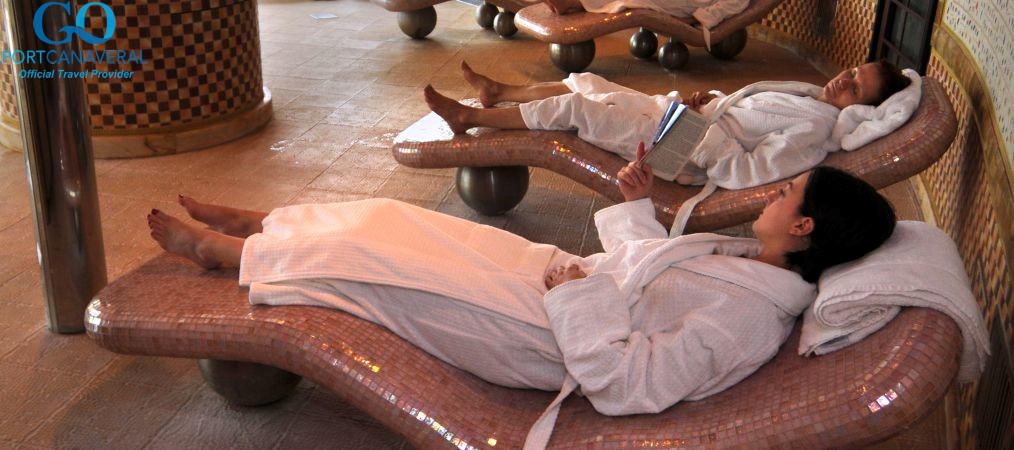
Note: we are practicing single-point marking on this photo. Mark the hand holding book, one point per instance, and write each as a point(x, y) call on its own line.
point(698, 99)
point(636, 179)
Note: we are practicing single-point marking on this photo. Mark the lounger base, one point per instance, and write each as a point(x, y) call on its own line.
point(418, 18)
point(492, 191)
point(247, 384)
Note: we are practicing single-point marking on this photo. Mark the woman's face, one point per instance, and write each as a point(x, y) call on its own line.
point(781, 217)
point(856, 86)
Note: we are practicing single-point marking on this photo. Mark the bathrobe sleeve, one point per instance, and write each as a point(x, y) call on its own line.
point(628, 221)
point(778, 155)
point(711, 16)
point(622, 371)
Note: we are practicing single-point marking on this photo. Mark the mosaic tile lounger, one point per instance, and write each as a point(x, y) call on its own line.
point(856, 396)
point(909, 150)
point(417, 18)
point(571, 36)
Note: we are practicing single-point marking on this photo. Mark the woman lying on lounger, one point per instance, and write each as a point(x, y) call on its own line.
point(648, 323)
point(764, 132)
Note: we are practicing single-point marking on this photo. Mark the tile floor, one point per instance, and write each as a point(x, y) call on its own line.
point(342, 89)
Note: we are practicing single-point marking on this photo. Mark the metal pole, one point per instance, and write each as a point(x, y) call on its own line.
point(58, 151)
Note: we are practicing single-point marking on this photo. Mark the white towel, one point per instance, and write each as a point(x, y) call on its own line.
point(859, 125)
point(918, 266)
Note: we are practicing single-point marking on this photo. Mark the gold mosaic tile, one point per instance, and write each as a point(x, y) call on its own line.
point(203, 62)
point(851, 29)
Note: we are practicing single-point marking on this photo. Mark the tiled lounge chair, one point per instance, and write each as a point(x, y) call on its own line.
point(430, 144)
point(417, 18)
point(856, 396)
point(571, 36)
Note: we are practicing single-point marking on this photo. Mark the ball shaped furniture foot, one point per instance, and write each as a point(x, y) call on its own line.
point(503, 24)
point(485, 13)
point(729, 47)
point(572, 57)
point(643, 44)
point(246, 383)
point(492, 191)
point(673, 55)
point(419, 23)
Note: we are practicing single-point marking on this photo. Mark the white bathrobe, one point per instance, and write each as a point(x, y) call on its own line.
point(708, 12)
point(763, 132)
point(656, 321)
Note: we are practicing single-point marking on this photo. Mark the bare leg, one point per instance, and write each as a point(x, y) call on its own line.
point(492, 92)
point(231, 221)
point(209, 249)
point(461, 117)
point(564, 6)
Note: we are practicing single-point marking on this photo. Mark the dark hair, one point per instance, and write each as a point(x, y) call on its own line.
point(891, 80)
point(850, 219)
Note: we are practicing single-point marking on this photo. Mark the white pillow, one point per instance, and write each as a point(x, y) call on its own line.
point(919, 265)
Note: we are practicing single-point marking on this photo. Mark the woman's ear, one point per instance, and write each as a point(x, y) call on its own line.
point(802, 227)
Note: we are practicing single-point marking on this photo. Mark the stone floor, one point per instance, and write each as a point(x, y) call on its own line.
point(342, 89)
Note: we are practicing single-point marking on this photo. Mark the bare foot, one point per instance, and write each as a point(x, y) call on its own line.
point(489, 90)
point(562, 7)
point(229, 221)
point(181, 239)
point(454, 113)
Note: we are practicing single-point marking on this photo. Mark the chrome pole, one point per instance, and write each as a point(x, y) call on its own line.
point(58, 151)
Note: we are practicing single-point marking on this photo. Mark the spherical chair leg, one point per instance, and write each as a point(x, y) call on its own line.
point(643, 44)
point(492, 191)
point(485, 13)
point(572, 57)
point(247, 384)
point(673, 55)
point(503, 24)
point(729, 47)
point(419, 23)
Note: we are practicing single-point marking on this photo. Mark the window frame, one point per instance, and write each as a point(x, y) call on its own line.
point(890, 13)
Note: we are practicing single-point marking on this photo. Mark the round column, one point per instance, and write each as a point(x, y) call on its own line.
point(199, 85)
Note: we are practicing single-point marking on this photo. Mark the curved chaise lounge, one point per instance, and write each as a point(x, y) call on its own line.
point(430, 144)
point(853, 397)
point(418, 18)
point(571, 36)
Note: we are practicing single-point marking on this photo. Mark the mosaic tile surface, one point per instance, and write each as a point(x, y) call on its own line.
point(847, 43)
point(964, 206)
point(986, 30)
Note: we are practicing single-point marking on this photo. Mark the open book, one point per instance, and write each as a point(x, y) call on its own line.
point(678, 134)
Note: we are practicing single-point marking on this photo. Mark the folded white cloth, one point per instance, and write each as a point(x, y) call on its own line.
point(918, 266)
point(859, 125)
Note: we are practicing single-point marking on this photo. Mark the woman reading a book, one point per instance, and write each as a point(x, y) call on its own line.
point(764, 132)
point(648, 323)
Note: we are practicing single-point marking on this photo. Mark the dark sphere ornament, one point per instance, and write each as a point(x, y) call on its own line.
point(492, 191)
point(643, 44)
point(246, 383)
point(673, 55)
point(729, 47)
point(485, 14)
point(419, 23)
point(572, 57)
point(503, 24)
